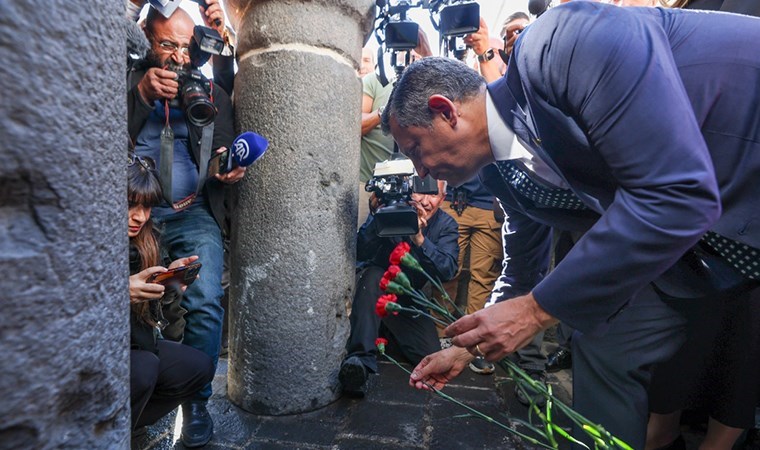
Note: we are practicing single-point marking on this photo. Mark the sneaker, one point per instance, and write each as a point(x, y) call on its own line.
point(532, 395)
point(481, 366)
point(353, 377)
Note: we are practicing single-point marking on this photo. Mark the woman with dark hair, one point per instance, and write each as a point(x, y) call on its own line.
point(163, 373)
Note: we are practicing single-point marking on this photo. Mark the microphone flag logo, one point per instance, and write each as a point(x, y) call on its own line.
point(241, 149)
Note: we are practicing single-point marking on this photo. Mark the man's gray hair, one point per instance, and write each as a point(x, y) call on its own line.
point(408, 102)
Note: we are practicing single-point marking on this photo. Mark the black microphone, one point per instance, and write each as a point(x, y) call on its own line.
point(538, 7)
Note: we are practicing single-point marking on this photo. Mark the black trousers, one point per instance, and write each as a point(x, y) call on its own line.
point(160, 382)
point(612, 373)
point(415, 337)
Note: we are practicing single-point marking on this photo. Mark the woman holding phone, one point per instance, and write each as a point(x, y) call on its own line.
point(163, 373)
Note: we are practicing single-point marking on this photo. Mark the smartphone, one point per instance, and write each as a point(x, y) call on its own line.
point(179, 275)
point(219, 163)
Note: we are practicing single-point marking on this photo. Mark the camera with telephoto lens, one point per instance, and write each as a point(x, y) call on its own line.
point(393, 183)
point(194, 93)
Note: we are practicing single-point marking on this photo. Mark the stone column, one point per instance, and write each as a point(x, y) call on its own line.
point(64, 327)
point(294, 215)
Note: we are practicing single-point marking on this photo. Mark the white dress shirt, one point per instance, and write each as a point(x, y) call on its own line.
point(505, 146)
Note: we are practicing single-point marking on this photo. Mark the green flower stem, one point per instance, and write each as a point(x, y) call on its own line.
point(411, 262)
point(416, 312)
point(595, 431)
point(472, 410)
point(422, 300)
point(438, 285)
point(602, 438)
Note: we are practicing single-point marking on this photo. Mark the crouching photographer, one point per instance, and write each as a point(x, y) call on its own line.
point(163, 373)
point(434, 245)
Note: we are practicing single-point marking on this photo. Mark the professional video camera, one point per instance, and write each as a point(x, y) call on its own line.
point(454, 19)
point(393, 183)
point(194, 88)
point(396, 35)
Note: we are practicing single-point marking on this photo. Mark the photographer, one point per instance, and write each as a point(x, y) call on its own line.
point(435, 247)
point(191, 220)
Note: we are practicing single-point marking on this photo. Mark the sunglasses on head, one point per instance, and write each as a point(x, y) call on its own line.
point(145, 161)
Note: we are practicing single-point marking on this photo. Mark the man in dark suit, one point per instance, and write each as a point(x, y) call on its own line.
point(636, 127)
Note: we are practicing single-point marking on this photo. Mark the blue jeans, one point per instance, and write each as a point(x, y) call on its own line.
point(195, 232)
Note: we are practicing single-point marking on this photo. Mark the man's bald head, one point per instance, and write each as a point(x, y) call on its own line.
point(154, 20)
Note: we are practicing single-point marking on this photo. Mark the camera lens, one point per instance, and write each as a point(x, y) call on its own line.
point(199, 109)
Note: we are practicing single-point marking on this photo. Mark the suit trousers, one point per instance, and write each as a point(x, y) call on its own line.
point(161, 382)
point(415, 337)
point(612, 372)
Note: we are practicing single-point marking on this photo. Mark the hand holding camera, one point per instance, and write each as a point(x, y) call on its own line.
point(158, 84)
point(479, 40)
point(419, 238)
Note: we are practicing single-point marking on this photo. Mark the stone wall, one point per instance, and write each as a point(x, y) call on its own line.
point(63, 308)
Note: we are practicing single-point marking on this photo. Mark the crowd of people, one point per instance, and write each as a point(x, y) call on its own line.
point(596, 170)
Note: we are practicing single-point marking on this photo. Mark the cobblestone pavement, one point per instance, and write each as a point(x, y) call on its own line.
point(391, 416)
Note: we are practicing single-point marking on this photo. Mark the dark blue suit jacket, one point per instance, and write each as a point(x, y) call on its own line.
point(653, 118)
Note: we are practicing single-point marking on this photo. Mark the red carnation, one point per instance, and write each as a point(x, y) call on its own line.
point(382, 305)
point(380, 343)
point(399, 252)
point(393, 271)
point(384, 283)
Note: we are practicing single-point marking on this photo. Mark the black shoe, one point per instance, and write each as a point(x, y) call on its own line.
point(532, 395)
point(353, 377)
point(481, 366)
point(197, 426)
point(559, 359)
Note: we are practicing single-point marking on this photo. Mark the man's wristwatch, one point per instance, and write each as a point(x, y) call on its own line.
point(487, 56)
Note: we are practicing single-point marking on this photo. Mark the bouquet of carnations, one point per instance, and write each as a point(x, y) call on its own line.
point(543, 432)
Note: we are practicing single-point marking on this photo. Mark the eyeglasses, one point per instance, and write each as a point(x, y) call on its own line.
point(145, 161)
point(171, 47)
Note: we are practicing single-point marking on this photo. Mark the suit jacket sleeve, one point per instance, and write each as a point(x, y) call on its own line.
point(612, 72)
point(527, 246)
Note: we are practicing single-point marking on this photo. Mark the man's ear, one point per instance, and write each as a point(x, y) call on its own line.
point(445, 107)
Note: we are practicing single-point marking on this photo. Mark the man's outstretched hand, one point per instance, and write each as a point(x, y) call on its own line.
point(500, 329)
point(439, 368)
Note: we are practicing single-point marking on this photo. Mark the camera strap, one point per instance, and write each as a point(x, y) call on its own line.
point(167, 161)
point(207, 138)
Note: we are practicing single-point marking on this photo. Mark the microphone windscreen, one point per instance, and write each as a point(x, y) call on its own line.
point(137, 43)
point(248, 147)
point(537, 7)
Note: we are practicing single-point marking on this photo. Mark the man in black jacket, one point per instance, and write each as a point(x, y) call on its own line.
point(436, 247)
point(191, 224)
